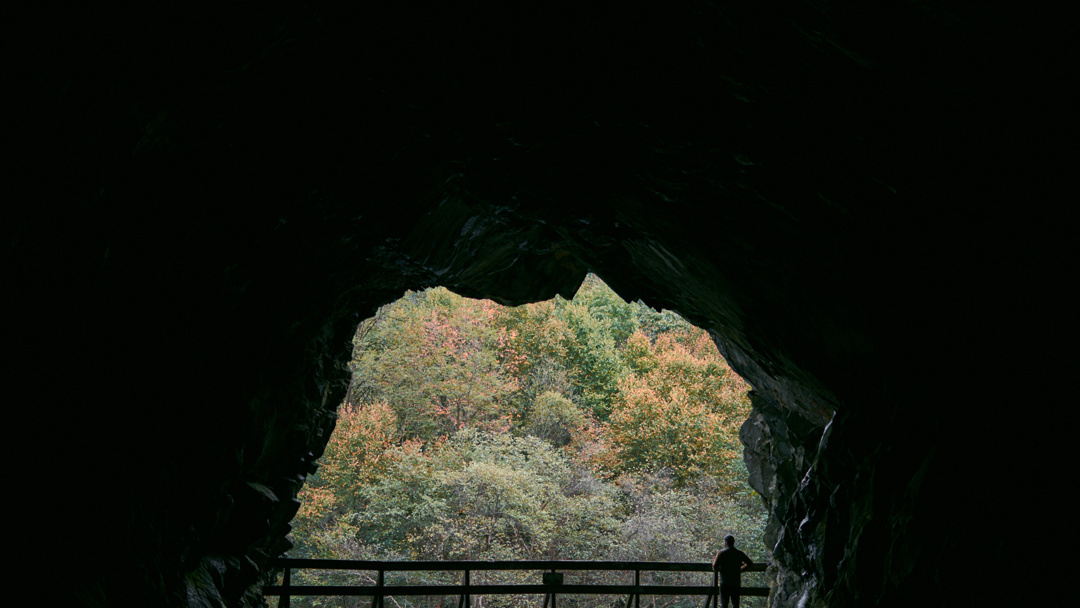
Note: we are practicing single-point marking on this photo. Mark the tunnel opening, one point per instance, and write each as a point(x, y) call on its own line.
point(587, 428)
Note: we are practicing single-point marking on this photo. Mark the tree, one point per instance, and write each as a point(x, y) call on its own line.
point(653, 323)
point(440, 361)
point(619, 316)
point(593, 363)
point(581, 429)
point(680, 409)
point(357, 454)
point(538, 339)
point(481, 495)
point(664, 522)
point(554, 418)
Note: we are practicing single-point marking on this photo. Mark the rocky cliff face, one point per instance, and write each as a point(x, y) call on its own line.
point(209, 199)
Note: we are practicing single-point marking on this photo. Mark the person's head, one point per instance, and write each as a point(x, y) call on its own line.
point(729, 540)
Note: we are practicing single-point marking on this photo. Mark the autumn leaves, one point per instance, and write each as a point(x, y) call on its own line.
point(584, 429)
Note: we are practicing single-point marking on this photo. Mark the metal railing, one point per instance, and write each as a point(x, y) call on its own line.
point(551, 585)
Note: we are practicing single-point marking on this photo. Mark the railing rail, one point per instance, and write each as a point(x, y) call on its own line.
point(551, 587)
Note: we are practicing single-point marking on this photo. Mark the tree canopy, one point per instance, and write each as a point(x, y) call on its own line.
point(589, 428)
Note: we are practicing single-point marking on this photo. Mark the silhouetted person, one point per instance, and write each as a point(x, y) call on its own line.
point(730, 562)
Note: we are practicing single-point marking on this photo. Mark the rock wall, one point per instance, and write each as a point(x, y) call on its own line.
point(208, 198)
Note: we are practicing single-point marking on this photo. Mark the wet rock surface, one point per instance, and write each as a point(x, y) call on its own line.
point(209, 200)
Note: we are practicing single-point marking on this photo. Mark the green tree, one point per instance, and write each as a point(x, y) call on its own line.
point(440, 361)
point(619, 316)
point(554, 419)
point(538, 339)
point(594, 365)
point(654, 322)
point(665, 522)
point(481, 495)
point(581, 429)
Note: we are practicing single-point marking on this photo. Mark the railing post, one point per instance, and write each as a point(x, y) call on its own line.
point(283, 600)
point(712, 597)
point(552, 578)
point(635, 598)
point(377, 600)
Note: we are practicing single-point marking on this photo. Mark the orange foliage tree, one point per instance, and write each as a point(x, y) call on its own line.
point(357, 454)
point(679, 410)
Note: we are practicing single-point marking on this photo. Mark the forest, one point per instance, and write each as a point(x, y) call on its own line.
point(584, 429)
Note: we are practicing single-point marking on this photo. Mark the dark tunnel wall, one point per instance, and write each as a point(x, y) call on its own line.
point(208, 198)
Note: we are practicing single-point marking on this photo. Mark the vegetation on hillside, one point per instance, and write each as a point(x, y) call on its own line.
point(590, 428)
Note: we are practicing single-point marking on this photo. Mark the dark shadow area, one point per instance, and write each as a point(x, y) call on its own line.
point(208, 198)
